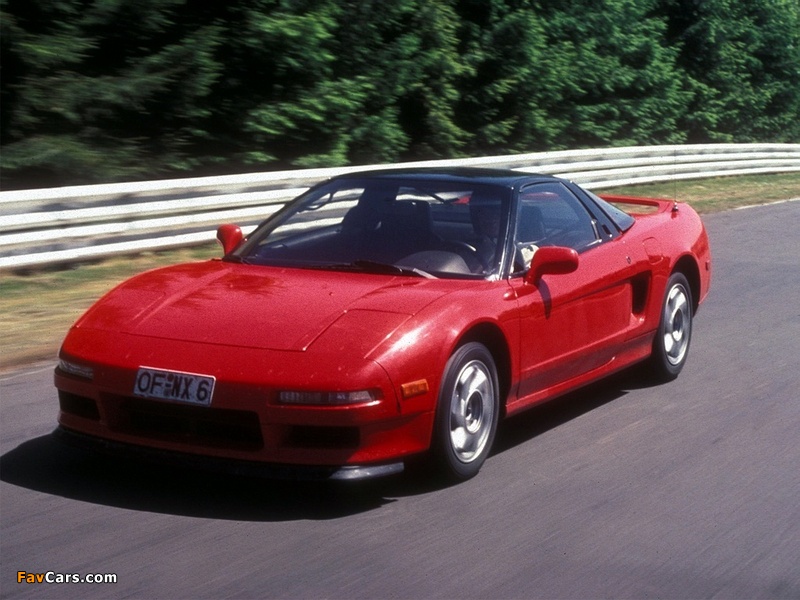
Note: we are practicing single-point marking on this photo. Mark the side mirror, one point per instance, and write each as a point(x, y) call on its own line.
point(551, 260)
point(230, 236)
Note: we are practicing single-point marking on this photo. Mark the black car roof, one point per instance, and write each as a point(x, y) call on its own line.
point(472, 175)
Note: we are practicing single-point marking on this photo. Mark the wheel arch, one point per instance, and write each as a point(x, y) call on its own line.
point(491, 336)
point(688, 267)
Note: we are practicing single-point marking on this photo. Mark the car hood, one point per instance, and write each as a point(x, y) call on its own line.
point(260, 307)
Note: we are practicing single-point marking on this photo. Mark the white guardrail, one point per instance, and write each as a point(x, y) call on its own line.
point(71, 224)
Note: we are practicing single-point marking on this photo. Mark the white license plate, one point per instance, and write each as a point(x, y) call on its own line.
point(189, 388)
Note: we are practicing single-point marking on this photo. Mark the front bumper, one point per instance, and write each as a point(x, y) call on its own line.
point(245, 421)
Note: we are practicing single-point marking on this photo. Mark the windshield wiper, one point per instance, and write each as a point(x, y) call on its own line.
point(372, 266)
point(380, 267)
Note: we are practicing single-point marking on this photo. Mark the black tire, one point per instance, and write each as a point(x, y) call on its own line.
point(671, 344)
point(467, 413)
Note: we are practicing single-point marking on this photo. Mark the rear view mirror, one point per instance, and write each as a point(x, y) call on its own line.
point(551, 260)
point(230, 236)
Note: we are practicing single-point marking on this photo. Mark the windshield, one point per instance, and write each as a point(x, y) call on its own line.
point(426, 227)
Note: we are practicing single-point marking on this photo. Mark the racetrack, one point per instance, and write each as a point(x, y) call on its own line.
point(685, 490)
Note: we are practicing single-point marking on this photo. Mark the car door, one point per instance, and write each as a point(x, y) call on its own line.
point(570, 324)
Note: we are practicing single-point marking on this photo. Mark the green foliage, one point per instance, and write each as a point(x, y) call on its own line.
point(510, 102)
point(102, 90)
point(619, 83)
point(106, 91)
point(366, 82)
point(742, 64)
point(586, 74)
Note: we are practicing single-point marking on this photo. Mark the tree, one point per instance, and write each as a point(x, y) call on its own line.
point(107, 90)
point(620, 82)
point(112, 89)
point(742, 60)
point(549, 75)
point(508, 99)
point(384, 84)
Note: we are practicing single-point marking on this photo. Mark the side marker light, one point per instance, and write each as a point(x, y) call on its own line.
point(414, 388)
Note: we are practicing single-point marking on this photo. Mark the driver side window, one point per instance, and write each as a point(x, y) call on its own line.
point(549, 215)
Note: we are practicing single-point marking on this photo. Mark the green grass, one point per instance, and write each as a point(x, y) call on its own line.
point(37, 307)
point(722, 193)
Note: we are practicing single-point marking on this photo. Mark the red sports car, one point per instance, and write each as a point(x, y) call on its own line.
point(382, 315)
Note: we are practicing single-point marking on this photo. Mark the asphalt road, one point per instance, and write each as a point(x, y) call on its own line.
point(685, 490)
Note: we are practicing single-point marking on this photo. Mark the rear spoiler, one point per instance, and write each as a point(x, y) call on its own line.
point(640, 206)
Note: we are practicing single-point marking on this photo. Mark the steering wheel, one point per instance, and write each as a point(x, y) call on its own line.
point(472, 257)
point(461, 244)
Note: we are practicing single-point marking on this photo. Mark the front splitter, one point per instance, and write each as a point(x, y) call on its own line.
point(226, 465)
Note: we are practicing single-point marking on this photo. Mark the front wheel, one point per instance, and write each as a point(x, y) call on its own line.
point(467, 412)
point(671, 345)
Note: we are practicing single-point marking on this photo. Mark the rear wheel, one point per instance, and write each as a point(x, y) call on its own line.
point(671, 345)
point(467, 413)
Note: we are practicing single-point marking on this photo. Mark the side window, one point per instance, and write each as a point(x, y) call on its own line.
point(550, 215)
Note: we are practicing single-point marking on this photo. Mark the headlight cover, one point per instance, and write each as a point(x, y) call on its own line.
point(329, 398)
point(76, 369)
